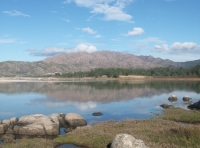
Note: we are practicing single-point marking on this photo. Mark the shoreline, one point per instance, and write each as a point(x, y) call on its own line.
point(171, 132)
point(121, 78)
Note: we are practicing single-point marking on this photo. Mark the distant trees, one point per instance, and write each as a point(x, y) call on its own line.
point(155, 72)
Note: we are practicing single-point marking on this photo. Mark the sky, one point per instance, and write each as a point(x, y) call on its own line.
point(32, 30)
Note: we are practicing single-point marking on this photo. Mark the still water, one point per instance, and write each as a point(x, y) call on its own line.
point(116, 100)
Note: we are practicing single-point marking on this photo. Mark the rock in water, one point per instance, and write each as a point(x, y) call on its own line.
point(186, 98)
point(127, 141)
point(97, 114)
point(165, 105)
point(75, 120)
point(37, 124)
point(172, 98)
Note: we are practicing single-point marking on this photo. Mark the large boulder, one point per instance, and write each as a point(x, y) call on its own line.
point(10, 130)
point(7, 122)
point(37, 124)
point(34, 129)
point(60, 118)
point(3, 128)
point(51, 125)
point(127, 141)
point(172, 98)
point(41, 125)
point(75, 120)
point(186, 98)
point(13, 121)
point(30, 119)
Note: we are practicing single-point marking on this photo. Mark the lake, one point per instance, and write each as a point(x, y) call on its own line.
point(117, 100)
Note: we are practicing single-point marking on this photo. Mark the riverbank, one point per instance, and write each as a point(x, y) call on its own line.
point(163, 131)
point(121, 78)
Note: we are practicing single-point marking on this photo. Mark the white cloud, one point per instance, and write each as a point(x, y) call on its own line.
point(146, 44)
point(84, 47)
point(111, 9)
point(88, 30)
point(111, 13)
point(51, 51)
point(135, 31)
point(16, 13)
point(186, 46)
point(11, 41)
point(161, 48)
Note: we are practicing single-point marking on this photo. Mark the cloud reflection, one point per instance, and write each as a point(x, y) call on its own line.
point(52, 103)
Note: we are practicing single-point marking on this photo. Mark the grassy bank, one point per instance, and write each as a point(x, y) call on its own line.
point(164, 131)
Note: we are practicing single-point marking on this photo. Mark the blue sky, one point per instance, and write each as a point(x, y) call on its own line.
point(31, 30)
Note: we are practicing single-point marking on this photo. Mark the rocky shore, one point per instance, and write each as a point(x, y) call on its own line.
point(39, 125)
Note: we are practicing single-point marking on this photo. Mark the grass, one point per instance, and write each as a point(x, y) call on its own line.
point(164, 131)
point(181, 115)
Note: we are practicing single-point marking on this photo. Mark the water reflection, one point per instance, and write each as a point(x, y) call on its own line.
point(116, 100)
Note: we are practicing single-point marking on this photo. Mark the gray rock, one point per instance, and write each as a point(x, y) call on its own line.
point(172, 98)
point(54, 115)
point(165, 105)
point(14, 120)
point(62, 115)
point(10, 131)
point(62, 120)
point(54, 118)
point(74, 120)
point(97, 114)
point(3, 128)
point(38, 124)
point(7, 122)
point(127, 141)
point(186, 98)
point(34, 129)
point(51, 125)
point(30, 119)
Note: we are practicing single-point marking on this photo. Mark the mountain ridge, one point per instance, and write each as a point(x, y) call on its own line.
point(83, 61)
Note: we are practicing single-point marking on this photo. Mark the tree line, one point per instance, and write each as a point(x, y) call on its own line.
point(155, 72)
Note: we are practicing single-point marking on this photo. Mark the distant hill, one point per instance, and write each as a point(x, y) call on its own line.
point(83, 61)
point(14, 68)
point(107, 59)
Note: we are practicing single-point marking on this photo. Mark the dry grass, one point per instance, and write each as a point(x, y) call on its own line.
point(30, 143)
point(156, 133)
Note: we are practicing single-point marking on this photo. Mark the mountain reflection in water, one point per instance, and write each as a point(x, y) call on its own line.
point(116, 99)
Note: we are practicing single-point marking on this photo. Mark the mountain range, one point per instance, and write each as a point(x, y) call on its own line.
point(83, 61)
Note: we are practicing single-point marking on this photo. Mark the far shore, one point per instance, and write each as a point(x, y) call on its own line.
point(121, 78)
